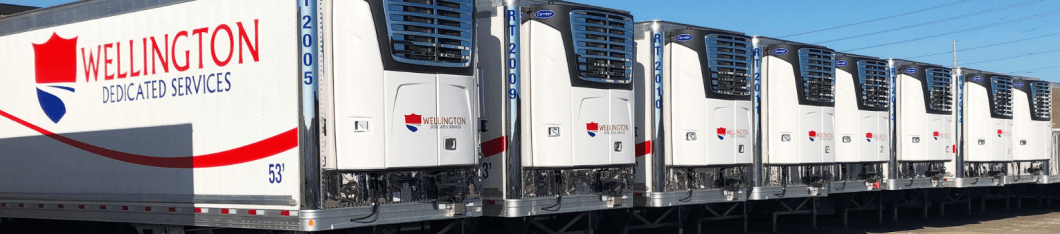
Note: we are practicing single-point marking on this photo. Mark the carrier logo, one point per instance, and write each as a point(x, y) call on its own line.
point(910, 70)
point(938, 135)
point(841, 63)
point(684, 37)
point(734, 133)
point(977, 78)
point(780, 51)
point(56, 64)
point(545, 14)
point(413, 122)
point(824, 136)
point(594, 128)
point(56, 67)
point(879, 137)
point(1017, 85)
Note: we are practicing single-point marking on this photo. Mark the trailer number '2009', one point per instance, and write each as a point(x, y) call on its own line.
point(276, 173)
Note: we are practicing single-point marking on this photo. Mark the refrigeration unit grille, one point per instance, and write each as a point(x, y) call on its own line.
point(874, 86)
point(818, 74)
point(603, 43)
point(1043, 103)
point(430, 32)
point(1002, 91)
point(729, 57)
point(939, 89)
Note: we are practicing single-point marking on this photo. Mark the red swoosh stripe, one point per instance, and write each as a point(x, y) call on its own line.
point(643, 148)
point(493, 147)
point(257, 150)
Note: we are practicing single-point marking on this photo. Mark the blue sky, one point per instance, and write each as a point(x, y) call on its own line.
point(777, 18)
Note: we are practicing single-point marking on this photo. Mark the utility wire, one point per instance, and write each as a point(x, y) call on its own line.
point(977, 13)
point(1031, 70)
point(962, 30)
point(1016, 56)
point(984, 46)
point(882, 18)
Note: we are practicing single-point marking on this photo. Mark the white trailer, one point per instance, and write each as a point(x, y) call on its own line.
point(282, 115)
point(795, 110)
point(1032, 128)
point(693, 114)
point(923, 125)
point(557, 116)
point(862, 122)
point(985, 113)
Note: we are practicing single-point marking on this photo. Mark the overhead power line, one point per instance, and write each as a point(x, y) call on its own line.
point(1031, 70)
point(962, 30)
point(1016, 56)
point(984, 46)
point(937, 21)
point(882, 18)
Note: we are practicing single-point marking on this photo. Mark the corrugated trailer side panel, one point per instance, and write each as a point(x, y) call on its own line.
point(185, 103)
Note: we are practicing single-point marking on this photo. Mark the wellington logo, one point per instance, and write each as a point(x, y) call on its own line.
point(999, 132)
point(56, 65)
point(592, 127)
point(413, 122)
point(813, 135)
point(416, 122)
point(868, 136)
point(936, 135)
point(732, 133)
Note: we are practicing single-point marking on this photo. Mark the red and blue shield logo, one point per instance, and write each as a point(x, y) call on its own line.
point(868, 136)
point(936, 135)
point(56, 65)
point(999, 133)
point(413, 122)
point(813, 135)
point(592, 127)
point(721, 133)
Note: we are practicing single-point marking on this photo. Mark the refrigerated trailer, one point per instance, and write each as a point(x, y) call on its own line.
point(557, 115)
point(693, 106)
point(282, 115)
point(862, 122)
point(985, 133)
point(794, 114)
point(1032, 128)
point(924, 126)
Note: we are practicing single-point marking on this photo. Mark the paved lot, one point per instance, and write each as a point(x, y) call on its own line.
point(1030, 219)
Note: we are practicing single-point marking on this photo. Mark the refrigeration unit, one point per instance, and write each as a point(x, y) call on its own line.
point(693, 112)
point(1031, 128)
point(862, 122)
point(924, 127)
point(797, 110)
point(985, 118)
point(556, 126)
point(399, 105)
